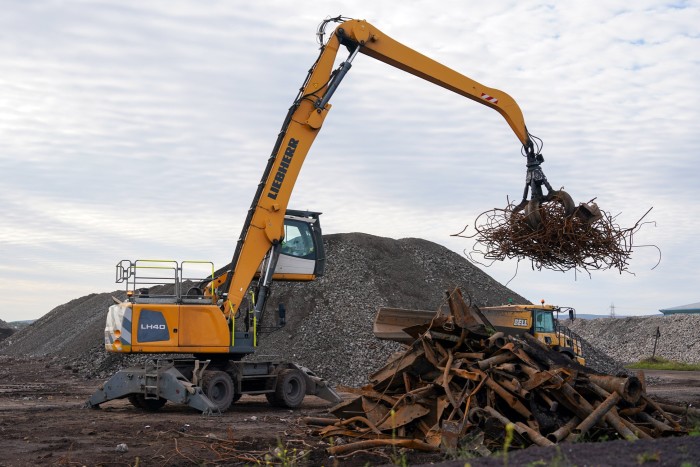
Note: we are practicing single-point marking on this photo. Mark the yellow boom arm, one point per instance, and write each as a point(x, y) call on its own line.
point(263, 227)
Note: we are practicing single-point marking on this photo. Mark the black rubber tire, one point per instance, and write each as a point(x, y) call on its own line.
point(290, 389)
point(218, 387)
point(272, 399)
point(568, 355)
point(149, 405)
point(135, 400)
point(153, 405)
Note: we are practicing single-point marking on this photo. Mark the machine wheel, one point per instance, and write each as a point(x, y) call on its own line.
point(135, 401)
point(290, 389)
point(568, 355)
point(151, 405)
point(218, 387)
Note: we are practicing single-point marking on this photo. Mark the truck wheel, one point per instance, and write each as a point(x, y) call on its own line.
point(218, 387)
point(151, 405)
point(290, 389)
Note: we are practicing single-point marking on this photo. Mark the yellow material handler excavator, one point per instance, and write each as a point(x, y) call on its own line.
point(216, 318)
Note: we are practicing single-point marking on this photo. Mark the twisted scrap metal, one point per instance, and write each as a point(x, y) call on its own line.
point(560, 243)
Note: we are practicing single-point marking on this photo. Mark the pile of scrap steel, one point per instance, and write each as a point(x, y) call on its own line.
point(554, 235)
point(460, 386)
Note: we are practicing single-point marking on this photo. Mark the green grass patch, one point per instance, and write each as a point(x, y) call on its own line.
point(657, 363)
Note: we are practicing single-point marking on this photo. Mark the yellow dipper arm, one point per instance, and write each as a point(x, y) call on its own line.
point(377, 45)
point(264, 224)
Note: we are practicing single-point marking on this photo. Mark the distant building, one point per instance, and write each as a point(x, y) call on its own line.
point(693, 308)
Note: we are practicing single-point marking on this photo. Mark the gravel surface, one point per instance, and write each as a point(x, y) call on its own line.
point(631, 339)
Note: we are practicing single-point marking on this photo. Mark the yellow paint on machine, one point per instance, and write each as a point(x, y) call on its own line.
point(191, 328)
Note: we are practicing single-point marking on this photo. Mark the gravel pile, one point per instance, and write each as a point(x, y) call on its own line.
point(329, 325)
point(5, 330)
point(598, 360)
point(632, 339)
point(74, 333)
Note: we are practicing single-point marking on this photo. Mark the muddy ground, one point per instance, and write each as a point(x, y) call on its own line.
point(42, 422)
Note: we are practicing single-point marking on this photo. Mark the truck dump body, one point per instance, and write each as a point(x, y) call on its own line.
point(512, 320)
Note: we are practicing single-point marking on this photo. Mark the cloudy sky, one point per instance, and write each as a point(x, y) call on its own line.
point(133, 129)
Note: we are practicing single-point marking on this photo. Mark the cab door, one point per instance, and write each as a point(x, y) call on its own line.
point(302, 256)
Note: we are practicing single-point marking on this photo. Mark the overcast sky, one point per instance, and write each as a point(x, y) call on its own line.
point(133, 129)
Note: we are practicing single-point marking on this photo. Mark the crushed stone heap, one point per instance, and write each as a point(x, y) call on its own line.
point(5, 330)
point(329, 321)
point(631, 339)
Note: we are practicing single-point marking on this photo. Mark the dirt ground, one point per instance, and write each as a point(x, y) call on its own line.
point(42, 422)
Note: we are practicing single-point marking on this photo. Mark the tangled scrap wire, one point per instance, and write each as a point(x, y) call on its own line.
point(560, 243)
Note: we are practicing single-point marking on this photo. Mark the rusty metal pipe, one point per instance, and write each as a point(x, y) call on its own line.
point(594, 417)
point(659, 426)
point(514, 387)
point(533, 435)
point(613, 418)
point(495, 360)
point(470, 355)
point(364, 420)
point(553, 405)
point(373, 443)
point(496, 340)
point(512, 368)
point(629, 388)
point(674, 409)
point(520, 428)
point(661, 411)
point(563, 430)
point(636, 431)
point(509, 398)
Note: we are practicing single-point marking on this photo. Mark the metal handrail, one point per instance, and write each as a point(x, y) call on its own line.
point(135, 275)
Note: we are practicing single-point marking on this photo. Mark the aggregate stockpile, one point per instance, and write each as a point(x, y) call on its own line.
point(460, 386)
point(5, 330)
point(630, 339)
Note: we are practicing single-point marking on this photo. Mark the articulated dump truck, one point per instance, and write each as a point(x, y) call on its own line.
point(541, 321)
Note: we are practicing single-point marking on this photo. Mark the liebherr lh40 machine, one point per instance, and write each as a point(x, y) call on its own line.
point(217, 319)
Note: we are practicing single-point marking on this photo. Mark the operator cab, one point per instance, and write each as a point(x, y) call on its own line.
point(544, 321)
point(302, 252)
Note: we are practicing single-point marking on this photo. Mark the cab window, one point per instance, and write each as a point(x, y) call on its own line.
point(544, 321)
point(298, 239)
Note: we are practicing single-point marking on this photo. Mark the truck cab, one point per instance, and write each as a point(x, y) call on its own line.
point(541, 321)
